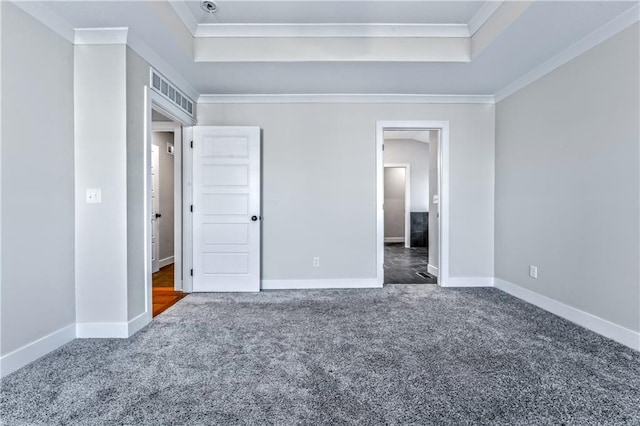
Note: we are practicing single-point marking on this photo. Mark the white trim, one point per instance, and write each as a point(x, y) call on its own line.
point(407, 201)
point(166, 261)
point(394, 239)
point(185, 15)
point(41, 12)
point(319, 284)
point(138, 323)
point(102, 330)
point(111, 330)
point(345, 98)
point(589, 321)
point(32, 351)
point(116, 35)
point(433, 270)
point(331, 30)
point(482, 15)
point(155, 101)
point(443, 205)
point(468, 282)
point(603, 33)
point(187, 201)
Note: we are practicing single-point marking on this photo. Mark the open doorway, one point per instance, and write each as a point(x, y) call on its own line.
point(410, 190)
point(407, 161)
point(166, 204)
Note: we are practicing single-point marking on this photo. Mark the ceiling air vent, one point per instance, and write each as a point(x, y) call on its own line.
point(171, 92)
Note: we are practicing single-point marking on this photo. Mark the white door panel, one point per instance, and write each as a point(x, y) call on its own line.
point(226, 196)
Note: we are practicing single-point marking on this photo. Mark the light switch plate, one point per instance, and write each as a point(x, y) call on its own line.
point(94, 196)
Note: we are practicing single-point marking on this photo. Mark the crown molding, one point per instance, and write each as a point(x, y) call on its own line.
point(100, 36)
point(482, 15)
point(81, 36)
point(603, 33)
point(332, 30)
point(342, 98)
point(185, 15)
point(47, 17)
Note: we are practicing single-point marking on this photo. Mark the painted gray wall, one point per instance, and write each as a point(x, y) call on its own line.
point(415, 153)
point(38, 294)
point(394, 201)
point(161, 139)
point(137, 76)
point(567, 183)
point(313, 198)
point(434, 230)
point(100, 162)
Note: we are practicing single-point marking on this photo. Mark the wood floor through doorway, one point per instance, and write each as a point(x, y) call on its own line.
point(164, 296)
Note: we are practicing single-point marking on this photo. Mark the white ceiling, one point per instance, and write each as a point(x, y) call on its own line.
point(544, 30)
point(336, 12)
point(416, 135)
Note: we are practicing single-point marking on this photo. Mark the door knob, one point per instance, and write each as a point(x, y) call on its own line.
point(158, 215)
point(255, 218)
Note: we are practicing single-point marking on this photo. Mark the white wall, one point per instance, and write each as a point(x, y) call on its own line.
point(434, 189)
point(567, 183)
point(317, 203)
point(394, 202)
point(165, 179)
point(37, 181)
point(100, 162)
point(415, 153)
point(137, 76)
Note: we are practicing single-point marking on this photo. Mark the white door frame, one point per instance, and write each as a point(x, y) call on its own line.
point(443, 193)
point(407, 199)
point(155, 101)
point(176, 129)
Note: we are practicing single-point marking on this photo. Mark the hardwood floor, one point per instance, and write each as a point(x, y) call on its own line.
point(164, 296)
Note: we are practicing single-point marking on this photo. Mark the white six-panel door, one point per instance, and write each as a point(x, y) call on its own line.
point(226, 209)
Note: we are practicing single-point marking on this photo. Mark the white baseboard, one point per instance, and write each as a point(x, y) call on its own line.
point(433, 270)
point(394, 239)
point(138, 323)
point(112, 330)
point(34, 350)
point(589, 321)
point(468, 282)
point(318, 284)
point(102, 330)
point(166, 261)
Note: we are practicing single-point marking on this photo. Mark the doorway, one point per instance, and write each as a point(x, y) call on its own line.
point(166, 206)
point(412, 192)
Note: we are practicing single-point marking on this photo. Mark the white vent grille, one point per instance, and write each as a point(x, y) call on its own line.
point(171, 92)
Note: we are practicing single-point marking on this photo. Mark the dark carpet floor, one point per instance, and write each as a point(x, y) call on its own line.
point(406, 265)
point(408, 354)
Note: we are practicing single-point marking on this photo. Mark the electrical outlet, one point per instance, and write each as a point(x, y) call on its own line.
point(94, 196)
point(533, 271)
point(316, 262)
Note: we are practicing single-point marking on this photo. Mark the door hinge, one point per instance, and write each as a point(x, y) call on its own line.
point(191, 144)
point(382, 147)
point(191, 208)
point(192, 272)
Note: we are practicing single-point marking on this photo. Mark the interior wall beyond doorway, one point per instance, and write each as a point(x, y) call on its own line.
point(166, 197)
point(394, 204)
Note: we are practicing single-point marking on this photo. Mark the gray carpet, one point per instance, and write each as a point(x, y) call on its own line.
point(401, 355)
